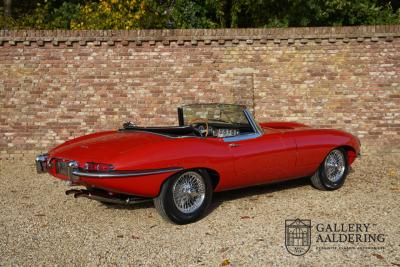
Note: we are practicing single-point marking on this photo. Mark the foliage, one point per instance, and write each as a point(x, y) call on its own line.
point(191, 14)
point(110, 14)
point(45, 15)
point(6, 22)
point(295, 13)
point(340, 12)
point(49, 17)
point(143, 14)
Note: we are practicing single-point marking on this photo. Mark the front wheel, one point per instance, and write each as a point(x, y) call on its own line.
point(332, 172)
point(184, 197)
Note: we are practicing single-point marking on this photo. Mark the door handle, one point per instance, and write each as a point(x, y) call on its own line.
point(234, 145)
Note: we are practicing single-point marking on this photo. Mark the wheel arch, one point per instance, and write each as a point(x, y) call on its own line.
point(350, 152)
point(213, 174)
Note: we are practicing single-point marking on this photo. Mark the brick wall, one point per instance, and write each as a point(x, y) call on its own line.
point(55, 85)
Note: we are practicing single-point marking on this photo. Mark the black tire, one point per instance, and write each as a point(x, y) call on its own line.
point(167, 207)
point(322, 180)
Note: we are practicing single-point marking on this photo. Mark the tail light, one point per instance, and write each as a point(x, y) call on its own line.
point(102, 167)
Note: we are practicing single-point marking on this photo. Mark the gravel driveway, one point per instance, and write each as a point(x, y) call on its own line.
point(40, 225)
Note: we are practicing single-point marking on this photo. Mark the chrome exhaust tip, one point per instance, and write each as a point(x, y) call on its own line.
point(72, 191)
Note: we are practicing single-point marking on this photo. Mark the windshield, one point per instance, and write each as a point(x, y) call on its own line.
point(221, 113)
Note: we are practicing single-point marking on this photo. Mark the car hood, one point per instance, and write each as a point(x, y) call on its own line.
point(105, 146)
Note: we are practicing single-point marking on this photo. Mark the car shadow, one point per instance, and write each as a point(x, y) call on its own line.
point(133, 206)
point(226, 196)
point(253, 191)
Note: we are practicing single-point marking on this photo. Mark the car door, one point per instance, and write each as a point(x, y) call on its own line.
point(268, 157)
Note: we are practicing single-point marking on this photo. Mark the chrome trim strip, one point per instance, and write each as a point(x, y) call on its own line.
point(160, 134)
point(241, 137)
point(257, 130)
point(121, 174)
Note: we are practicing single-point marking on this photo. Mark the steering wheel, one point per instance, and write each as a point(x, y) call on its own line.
point(197, 125)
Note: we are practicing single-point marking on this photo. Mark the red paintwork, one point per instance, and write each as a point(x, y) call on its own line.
point(285, 151)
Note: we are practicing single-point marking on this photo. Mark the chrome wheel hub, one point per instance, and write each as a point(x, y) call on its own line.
point(335, 165)
point(189, 192)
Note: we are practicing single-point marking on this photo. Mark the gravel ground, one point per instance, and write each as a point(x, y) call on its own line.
point(40, 225)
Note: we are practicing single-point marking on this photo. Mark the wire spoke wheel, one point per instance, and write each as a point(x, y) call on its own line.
point(332, 173)
point(185, 196)
point(189, 192)
point(335, 166)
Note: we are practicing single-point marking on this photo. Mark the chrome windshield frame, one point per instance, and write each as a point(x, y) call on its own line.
point(181, 115)
point(254, 125)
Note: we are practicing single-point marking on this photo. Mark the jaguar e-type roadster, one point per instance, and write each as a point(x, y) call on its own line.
point(216, 147)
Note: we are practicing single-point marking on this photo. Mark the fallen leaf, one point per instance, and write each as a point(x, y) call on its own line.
point(244, 217)
point(226, 262)
point(395, 189)
point(378, 256)
point(135, 237)
point(392, 173)
point(222, 250)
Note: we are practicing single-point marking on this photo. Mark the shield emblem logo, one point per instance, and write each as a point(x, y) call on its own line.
point(297, 236)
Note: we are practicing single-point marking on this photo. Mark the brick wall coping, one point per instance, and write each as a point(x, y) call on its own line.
point(262, 35)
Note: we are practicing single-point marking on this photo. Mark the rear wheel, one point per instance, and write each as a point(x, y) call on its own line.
point(332, 172)
point(184, 197)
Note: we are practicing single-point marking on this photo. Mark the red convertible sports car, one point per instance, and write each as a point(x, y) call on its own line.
point(216, 147)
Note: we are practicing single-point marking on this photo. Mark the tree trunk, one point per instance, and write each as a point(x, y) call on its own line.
point(7, 7)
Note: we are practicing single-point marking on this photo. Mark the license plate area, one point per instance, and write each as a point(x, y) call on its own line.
point(62, 167)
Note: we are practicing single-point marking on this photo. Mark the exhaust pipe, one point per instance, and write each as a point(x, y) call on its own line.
point(72, 191)
point(105, 197)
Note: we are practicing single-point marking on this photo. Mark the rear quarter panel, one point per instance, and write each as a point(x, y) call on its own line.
point(188, 153)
